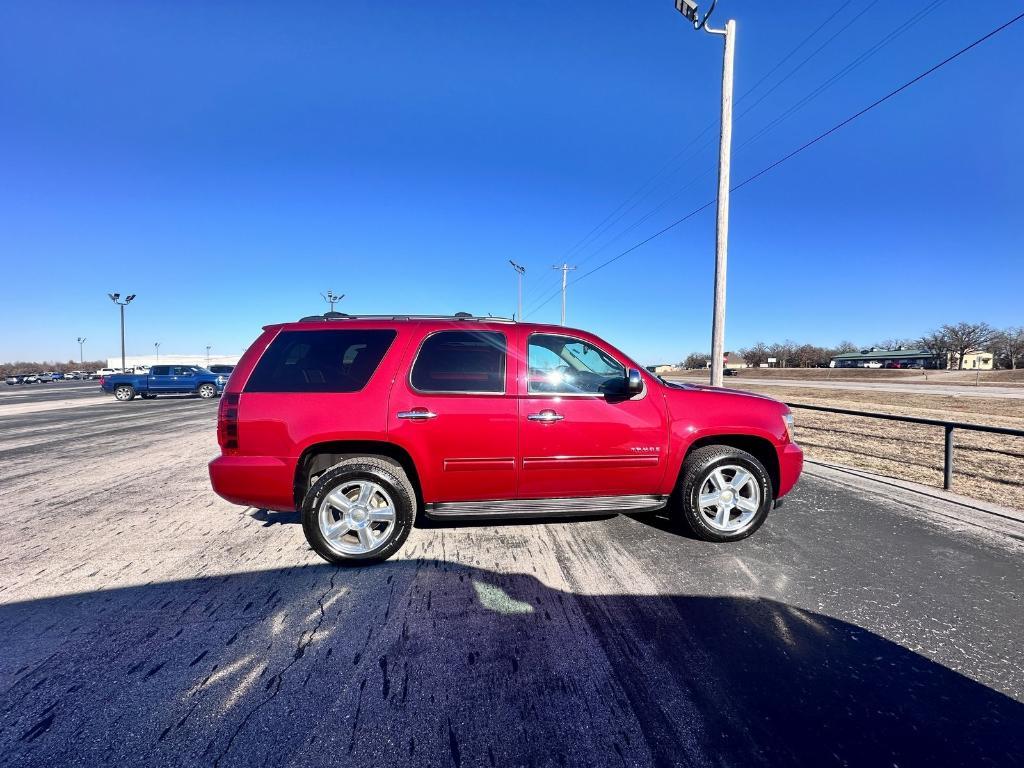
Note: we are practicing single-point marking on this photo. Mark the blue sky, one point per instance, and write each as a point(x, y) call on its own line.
point(227, 162)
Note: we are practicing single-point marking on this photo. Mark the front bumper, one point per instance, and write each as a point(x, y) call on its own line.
point(255, 481)
point(791, 464)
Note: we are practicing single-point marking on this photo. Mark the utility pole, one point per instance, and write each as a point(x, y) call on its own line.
point(208, 355)
point(156, 346)
point(689, 10)
point(116, 298)
point(566, 269)
point(81, 355)
point(332, 298)
point(520, 271)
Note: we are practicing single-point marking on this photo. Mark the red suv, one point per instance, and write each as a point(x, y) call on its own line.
point(361, 422)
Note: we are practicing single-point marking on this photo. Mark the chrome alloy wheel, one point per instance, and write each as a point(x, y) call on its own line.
point(206, 391)
point(123, 393)
point(357, 517)
point(729, 498)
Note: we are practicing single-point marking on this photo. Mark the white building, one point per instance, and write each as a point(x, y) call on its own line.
point(135, 361)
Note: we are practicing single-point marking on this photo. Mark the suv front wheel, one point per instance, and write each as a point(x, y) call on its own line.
point(359, 511)
point(725, 492)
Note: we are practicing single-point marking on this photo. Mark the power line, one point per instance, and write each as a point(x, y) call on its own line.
point(806, 145)
point(646, 188)
point(808, 98)
point(673, 196)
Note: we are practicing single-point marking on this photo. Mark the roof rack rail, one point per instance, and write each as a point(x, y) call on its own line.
point(457, 316)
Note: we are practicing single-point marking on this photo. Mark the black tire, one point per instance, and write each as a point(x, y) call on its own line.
point(386, 473)
point(206, 391)
point(124, 392)
point(697, 470)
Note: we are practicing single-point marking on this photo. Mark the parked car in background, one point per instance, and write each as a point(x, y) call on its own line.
point(164, 380)
point(106, 372)
point(730, 372)
point(361, 423)
point(222, 369)
point(13, 379)
point(30, 378)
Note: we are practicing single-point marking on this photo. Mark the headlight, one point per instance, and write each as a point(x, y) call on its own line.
point(220, 379)
point(787, 420)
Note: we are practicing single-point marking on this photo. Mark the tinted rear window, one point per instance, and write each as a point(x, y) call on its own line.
point(320, 361)
point(461, 361)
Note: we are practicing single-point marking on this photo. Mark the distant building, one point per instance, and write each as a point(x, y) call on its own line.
point(146, 361)
point(974, 361)
point(890, 358)
point(665, 368)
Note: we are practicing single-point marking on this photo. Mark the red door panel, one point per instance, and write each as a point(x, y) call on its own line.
point(598, 448)
point(465, 451)
point(589, 445)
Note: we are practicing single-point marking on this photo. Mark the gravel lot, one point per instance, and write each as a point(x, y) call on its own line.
point(147, 622)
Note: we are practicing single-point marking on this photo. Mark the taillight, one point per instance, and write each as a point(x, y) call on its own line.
point(103, 380)
point(227, 423)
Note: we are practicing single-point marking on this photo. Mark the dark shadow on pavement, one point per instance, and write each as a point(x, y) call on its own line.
point(432, 663)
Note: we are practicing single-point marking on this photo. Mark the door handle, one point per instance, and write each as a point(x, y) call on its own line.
point(546, 416)
point(417, 414)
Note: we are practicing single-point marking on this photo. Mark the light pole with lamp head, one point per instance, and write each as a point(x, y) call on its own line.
point(689, 9)
point(208, 355)
point(116, 298)
point(156, 346)
point(81, 354)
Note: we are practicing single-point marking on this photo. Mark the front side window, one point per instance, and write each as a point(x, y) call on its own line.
point(564, 365)
point(320, 361)
point(461, 361)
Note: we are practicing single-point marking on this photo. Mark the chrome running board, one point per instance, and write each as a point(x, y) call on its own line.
point(520, 508)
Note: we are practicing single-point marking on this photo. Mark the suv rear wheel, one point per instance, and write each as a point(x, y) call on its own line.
point(359, 511)
point(725, 492)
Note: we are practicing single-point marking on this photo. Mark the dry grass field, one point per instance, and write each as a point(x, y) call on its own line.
point(989, 467)
point(879, 375)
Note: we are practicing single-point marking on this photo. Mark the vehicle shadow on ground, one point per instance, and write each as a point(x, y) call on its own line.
point(432, 662)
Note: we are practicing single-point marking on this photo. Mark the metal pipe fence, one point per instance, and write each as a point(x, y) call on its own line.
point(948, 426)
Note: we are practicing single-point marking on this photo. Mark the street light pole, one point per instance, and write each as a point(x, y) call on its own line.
point(156, 346)
point(116, 298)
point(520, 271)
point(689, 10)
point(722, 229)
point(81, 354)
point(207, 355)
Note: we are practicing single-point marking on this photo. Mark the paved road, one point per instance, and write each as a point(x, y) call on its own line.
point(959, 390)
point(146, 622)
point(57, 390)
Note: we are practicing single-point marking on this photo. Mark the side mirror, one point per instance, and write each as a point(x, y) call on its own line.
point(634, 382)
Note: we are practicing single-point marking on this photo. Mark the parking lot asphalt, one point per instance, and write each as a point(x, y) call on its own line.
point(144, 621)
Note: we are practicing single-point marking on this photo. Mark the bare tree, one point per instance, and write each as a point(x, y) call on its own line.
point(697, 360)
point(755, 355)
point(896, 343)
point(963, 338)
point(782, 352)
point(1008, 347)
point(845, 346)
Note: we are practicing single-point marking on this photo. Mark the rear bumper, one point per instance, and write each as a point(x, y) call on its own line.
point(254, 481)
point(791, 464)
